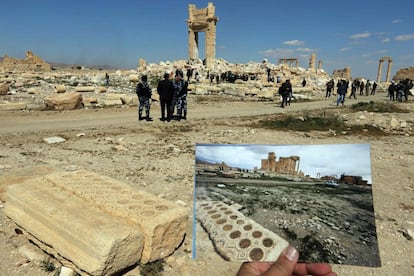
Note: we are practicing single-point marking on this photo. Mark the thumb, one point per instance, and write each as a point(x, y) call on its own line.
point(285, 264)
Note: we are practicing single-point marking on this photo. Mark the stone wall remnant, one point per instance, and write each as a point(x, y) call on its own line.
point(289, 62)
point(202, 20)
point(31, 62)
point(342, 73)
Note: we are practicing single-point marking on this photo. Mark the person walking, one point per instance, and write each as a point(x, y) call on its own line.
point(353, 89)
point(144, 94)
point(165, 89)
point(285, 91)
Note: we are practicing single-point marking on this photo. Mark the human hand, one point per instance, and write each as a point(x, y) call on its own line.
point(286, 265)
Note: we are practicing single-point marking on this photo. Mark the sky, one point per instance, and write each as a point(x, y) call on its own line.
point(119, 33)
point(326, 159)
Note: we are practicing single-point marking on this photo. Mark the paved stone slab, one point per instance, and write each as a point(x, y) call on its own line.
point(236, 237)
point(71, 229)
point(162, 222)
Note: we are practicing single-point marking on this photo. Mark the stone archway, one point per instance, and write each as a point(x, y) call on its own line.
point(202, 20)
point(381, 61)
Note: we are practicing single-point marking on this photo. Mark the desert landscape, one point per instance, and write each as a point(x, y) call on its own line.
point(158, 157)
point(71, 120)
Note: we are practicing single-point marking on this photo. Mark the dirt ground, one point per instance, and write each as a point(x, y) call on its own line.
point(158, 157)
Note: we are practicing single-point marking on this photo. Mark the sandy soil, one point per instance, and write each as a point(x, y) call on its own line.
point(159, 158)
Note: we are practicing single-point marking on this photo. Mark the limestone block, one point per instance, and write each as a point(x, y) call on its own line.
point(60, 88)
point(4, 89)
point(34, 90)
point(114, 96)
point(64, 101)
point(101, 89)
point(12, 106)
point(129, 100)
point(133, 78)
point(162, 222)
point(109, 102)
point(236, 237)
point(85, 89)
point(89, 101)
point(71, 229)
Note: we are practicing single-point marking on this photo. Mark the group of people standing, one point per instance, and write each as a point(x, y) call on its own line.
point(173, 95)
point(396, 91)
point(342, 89)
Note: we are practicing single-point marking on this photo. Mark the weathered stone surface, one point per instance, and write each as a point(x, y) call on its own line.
point(85, 89)
point(4, 89)
point(54, 140)
point(162, 222)
point(12, 106)
point(236, 237)
point(60, 88)
point(72, 229)
point(34, 90)
point(64, 101)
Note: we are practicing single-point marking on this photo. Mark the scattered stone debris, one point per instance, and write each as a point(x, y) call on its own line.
point(54, 140)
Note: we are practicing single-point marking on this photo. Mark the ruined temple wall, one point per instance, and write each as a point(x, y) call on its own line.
point(31, 62)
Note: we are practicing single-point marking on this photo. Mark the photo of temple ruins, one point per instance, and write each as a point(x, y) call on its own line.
point(251, 213)
point(285, 165)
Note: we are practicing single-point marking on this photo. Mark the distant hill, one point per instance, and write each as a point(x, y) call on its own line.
point(70, 66)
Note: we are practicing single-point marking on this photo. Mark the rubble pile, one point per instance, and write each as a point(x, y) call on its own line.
point(31, 81)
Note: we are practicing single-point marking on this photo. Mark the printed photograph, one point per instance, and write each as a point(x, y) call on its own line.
point(255, 200)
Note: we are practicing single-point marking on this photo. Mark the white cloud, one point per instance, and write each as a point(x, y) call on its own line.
point(306, 50)
point(386, 40)
point(360, 35)
point(294, 42)
point(278, 52)
point(396, 21)
point(405, 37)
point(344, 49)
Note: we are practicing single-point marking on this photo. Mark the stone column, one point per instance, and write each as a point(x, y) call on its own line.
point(191, 44)
point(312, 62)
point(380, 70)
point(320, 65)
point(210, 44)
point(389, 70)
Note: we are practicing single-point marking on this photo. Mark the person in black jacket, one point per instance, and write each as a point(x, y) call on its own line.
point(144, 94)
point(165, 89)
point(285, 91)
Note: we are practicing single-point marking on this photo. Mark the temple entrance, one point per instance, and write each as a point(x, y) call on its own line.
point(202, 22)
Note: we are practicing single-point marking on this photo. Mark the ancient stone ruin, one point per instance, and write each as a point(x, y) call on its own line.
point(289, 61)
point(342, 73)
point(94, 224)
point(202, 20)
point(30, 63)
point(381, 61)
point(285, 165)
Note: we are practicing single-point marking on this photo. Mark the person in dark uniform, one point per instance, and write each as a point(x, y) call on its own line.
point(144, 94)
point(165, 89)
point(180, 91)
